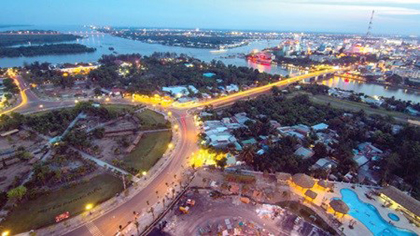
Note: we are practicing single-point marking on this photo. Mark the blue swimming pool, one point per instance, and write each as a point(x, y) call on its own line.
point(370, 217)
point(393, 217)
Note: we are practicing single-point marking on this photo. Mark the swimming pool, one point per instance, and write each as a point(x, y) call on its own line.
point(393, 217)
point(368, 215)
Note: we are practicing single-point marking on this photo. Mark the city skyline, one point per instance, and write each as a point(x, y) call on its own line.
point(391, 16)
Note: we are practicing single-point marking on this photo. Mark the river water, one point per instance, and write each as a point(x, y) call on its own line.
point(122, 46)
point(372, 89)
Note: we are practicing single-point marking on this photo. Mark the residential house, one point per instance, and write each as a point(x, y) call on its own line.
point(320, 126)
point(305, 153)
point(323, 163)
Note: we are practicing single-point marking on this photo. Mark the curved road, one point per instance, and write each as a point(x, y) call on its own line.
point(108, 223)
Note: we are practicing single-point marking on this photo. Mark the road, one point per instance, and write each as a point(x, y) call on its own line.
point(108, 223)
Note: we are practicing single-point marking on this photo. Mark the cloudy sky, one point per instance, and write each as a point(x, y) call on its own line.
point(391, 16)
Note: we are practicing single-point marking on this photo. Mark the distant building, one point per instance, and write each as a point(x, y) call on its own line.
point(320, 126)
point(180, 91)
point(232, 88)
point(412, 111)
point(305, 153)
point(323, 163)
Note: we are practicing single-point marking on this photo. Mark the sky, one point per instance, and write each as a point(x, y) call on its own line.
point(349, 16)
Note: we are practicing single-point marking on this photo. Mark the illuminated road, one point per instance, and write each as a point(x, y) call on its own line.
point(108, 223)
point(253, 91)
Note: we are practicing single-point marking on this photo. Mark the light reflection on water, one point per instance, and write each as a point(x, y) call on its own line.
point(372, 89)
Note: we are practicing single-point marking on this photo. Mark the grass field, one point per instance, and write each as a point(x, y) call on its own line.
point(119, 107)
point(149, 150)
point(42, 211)
point(357, 106)
point(151, 119)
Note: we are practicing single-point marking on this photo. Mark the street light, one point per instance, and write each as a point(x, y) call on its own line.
point(170, 145)
point(176, 127)
point(144, 173)
point(89, 207)
point(41, 106)
point(169, 113)
point(106, 99)
point(5, 233)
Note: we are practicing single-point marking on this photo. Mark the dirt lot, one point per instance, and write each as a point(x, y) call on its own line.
point(108, 145)
point(7, 175)
point(213, 216)
point(16, 140)
point(77, 91)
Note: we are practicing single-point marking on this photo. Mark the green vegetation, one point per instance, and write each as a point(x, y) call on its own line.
point(151, 120)
point(120, 108)
point(357, 106)
point(17, 193)
point(149, 150)
point(146, 74)
point(47, 49)
point(10, 86)
point(7, 40)
point(42, 211)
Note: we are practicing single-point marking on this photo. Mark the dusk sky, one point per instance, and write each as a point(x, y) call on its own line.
point(391, 16)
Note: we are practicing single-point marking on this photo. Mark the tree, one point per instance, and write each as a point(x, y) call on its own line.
point(222, 163)
point(247, 155)
point(320, 150)
point(152, 210)
point(98, 133)
point(137, 224)
point(17, 193)
point(97, 92)
point(275, 90)
point(8, 96)
point(10, 86)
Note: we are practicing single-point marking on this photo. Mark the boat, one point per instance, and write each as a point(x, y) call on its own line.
point(263, 58)
point(220, 50)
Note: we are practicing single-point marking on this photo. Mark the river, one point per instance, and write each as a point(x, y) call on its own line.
point(372, 89)
point(123, 46)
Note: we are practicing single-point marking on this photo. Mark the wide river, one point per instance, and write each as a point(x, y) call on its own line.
point(122, 46)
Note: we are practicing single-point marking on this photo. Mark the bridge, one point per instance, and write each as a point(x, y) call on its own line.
point(259, 90)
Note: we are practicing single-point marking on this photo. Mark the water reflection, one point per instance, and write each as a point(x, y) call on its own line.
point(372, 89)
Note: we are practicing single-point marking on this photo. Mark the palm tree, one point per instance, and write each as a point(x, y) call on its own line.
point(173, 193)
point(152, 210)
point(137, 224)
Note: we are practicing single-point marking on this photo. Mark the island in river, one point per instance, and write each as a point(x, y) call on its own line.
point(28, 43)
point(47, 49)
